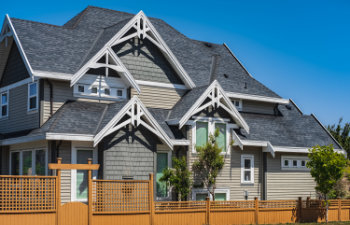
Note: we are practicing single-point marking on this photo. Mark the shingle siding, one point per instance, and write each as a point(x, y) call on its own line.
point(19, 118)
point(129, 152)
point(145, 61)
point(15, 69)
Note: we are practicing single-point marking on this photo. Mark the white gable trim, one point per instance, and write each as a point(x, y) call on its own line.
point(141, 32)
point(118, 66)
point(216, 94)
point(8, 23)
point(136, 110)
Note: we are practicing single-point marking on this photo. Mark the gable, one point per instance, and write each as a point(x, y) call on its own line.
point(145, 61)
point(15, 69)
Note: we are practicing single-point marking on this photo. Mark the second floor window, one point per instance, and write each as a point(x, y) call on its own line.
point(4, 104)
point(204, 129)
point(32, 96)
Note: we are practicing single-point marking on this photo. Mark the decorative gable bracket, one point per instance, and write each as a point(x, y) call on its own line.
point(137, 115)
point(217, 98)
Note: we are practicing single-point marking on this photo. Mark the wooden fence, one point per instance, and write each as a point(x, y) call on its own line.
point(34, 200)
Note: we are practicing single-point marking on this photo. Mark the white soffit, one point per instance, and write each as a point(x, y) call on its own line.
point(259, 98)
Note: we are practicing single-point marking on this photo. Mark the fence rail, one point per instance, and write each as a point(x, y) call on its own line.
point(20, 194)
point(35, 199)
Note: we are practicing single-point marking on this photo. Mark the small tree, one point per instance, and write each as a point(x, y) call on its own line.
point(327, 168)
point(209, 163)
point(178, 178)
point(341, 134)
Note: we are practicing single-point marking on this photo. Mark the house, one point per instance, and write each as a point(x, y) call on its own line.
point(132, 92)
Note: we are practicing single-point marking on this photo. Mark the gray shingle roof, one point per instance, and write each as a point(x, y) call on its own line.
point(289, 129)
point(66, 48)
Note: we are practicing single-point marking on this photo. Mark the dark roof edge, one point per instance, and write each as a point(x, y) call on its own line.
point(297, 107)
point(326, 130)
point(226, 46)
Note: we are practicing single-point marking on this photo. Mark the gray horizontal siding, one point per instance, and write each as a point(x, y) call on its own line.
point(258, 107)
point(128, 152)
point(19, 118)
point(284, 184)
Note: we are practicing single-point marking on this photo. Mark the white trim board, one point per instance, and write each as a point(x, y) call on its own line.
point(162, 85)
point(259, 98)
point(144, 29)
point(216, 94)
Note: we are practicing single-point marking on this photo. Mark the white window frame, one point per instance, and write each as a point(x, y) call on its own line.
point(32, 96)
point(75, 147)
point(240, 104)
point(211, 129)
point(251, 158)
point(196, 191)
point(33, 160)
point(170, 166)
point(290, 159)
point(7, 104)
point(90, 81)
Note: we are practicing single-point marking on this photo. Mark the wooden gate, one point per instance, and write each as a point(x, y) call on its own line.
point(73, 213)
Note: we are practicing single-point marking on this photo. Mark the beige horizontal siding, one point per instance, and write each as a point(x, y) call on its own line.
point(66, 154)
point(287, 184)
point(230, 175)
point(158, 97)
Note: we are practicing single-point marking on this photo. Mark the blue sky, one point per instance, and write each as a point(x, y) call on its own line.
point(299, 49)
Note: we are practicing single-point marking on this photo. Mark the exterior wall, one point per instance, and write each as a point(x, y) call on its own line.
point(284, 184)
point(146, 62)
point(4, 52)
point(128, 152)
point(157, 97)
point(258, 107)
point(15, 69)
point(61, 93)
point(230, 176)
point(65, 152)
point(19, 118)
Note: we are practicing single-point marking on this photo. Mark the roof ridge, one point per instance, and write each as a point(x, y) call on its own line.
point(107, 9)
point(79, 16)
point(45, 24)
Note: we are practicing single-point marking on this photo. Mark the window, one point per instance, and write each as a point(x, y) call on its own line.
point(202, 194)
point(94, 90)
point(204, 128)
point(28, 162)
point(4, 104)
point(162, 163)
point(82, 175)
point(201, 133)
point(238, 104)
point(107, 91)
point(294, 162)
point(81, 88)
point(119, 93)
point(247, 169)
point(33, 96)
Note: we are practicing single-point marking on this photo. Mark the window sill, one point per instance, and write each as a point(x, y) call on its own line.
point(296, 169)
point(4, 118)
point(247, 183)
point(32, 111)
point(222, 153)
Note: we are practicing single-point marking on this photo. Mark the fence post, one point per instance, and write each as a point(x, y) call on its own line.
point(307, 202)
point(339, 209)
point(300, 207)
point(207, 212)
point(151, 199)
point(89, 193)
point(58, 191)
point(256, 216)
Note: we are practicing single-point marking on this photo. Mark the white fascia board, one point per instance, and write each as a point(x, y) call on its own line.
point(69, 137)
point(162, 85)
point(180, 142)
point(237, 140)
point(52, 75)
point(259, 98)
point(19, 45)
point(19, 140)
point(232, 109)
point(300, 149)
point(254, 143)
